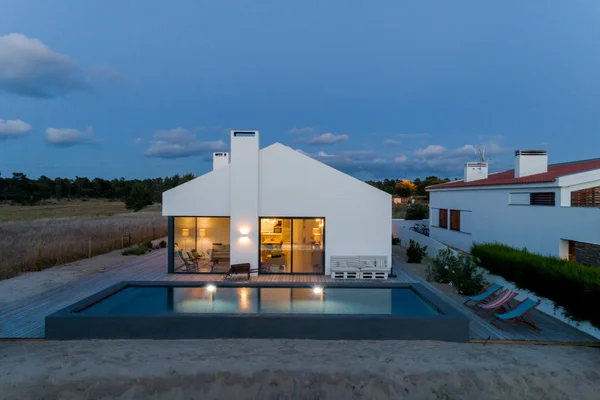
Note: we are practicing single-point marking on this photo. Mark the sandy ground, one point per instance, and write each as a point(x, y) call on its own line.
point(32, 283)
point(294, 369)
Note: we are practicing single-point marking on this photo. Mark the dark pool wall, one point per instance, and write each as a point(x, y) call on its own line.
point(449, 325)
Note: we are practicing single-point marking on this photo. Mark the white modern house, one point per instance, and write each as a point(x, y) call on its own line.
point(549, 209)
point(276, 209)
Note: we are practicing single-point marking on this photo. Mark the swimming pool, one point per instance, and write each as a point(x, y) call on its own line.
point(170, 310)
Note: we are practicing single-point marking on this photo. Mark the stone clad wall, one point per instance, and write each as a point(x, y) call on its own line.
point(587, 253)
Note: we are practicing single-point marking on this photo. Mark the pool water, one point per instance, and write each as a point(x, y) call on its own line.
point(144, 300)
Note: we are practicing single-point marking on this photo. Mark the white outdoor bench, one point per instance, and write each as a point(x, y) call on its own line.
point(359, 267)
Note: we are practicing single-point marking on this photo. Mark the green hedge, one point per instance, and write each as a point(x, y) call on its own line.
point(575, 287)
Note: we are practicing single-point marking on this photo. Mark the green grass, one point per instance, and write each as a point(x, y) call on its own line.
point(67, 209)
point(138, 250)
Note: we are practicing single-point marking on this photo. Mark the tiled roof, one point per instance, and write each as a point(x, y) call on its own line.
point(508, 177)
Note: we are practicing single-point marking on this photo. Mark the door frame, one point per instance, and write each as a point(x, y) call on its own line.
point(260, 218)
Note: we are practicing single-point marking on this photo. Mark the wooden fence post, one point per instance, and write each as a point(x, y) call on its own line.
point(122, 237)
point(39, 260)
point(90, 248)
point(153, 233)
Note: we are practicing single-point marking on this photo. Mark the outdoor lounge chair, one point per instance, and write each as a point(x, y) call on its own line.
point(497, 303)
point(518, 315)
point(484, 295)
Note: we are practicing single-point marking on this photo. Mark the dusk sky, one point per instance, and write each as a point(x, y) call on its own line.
point(377, 89)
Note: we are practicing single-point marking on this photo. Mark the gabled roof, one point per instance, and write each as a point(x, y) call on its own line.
point(508, 177)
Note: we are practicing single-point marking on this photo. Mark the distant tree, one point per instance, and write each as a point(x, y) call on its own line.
point(429, 181)
point(405, 188)
point(139, 197)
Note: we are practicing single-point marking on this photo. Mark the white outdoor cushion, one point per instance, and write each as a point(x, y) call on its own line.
point(344, 268)
point(368, 264)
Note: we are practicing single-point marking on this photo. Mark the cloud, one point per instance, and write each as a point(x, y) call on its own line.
point(138, 140)
point(301, 131)
point(430, 151)
point(401, 159)
point(180, 142)
point(328, 138)
point(391, 142)
point(69, 137)
point(366, 163)
point(466, 150)
point(413, 135)
point(30, 68)
point(13, 128)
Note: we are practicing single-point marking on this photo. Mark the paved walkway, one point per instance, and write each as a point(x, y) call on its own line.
point(25, 318)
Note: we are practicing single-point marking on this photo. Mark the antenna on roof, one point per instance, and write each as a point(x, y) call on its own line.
point(481, 151)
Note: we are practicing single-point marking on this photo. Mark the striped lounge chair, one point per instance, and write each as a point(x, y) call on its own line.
point(497, 303)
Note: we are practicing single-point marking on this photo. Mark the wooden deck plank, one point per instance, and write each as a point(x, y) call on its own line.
point(25, 318)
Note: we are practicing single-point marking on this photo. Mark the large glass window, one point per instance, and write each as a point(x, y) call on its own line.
point(201, 244)
point(292, 245)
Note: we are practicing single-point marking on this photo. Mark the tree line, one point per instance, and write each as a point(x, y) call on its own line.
point(406, 188)
point(19, 189)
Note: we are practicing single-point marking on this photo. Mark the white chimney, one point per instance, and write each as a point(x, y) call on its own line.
point(220, 159)
point(530, 162)
point(475, 171)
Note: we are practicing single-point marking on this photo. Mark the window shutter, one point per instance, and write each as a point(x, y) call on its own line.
point(542, 199)
point(586, 197)
point(455, 220)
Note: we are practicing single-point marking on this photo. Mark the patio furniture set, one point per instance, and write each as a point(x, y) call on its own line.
point(495, 301)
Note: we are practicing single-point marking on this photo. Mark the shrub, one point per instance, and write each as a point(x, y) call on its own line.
point(395, 241)
point(423, 229)
point(417, 211)
point(162, 244)
point(575, 287)
point(138, 250)
point(415, 252)
point(458, 270)
point(148, 244)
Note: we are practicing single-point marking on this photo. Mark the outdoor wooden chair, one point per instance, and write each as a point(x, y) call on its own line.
point(501, 302)
point(189, 264)
point(518, 315)
point(485, 295)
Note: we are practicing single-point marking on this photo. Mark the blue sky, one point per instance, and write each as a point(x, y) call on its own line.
point(378, 89)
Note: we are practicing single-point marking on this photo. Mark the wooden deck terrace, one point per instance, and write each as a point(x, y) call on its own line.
point(25, 318)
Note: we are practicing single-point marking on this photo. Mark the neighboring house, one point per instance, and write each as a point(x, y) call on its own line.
point(549, 209)
point(277, 209)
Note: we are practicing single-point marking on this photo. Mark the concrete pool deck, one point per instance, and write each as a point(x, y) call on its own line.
point(25, 318)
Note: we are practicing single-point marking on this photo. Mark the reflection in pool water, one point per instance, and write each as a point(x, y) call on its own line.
point(143, 300)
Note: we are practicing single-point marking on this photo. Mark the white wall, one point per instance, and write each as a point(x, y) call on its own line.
point(357, 216)
point(490, 218)
point(402, 231)
point(281, 182)
point(207, 195)
point(243, 200)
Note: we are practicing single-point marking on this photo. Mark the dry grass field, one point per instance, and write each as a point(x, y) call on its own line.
point(37, 237)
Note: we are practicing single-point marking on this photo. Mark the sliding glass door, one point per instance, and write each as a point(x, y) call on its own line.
point(292, 245)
